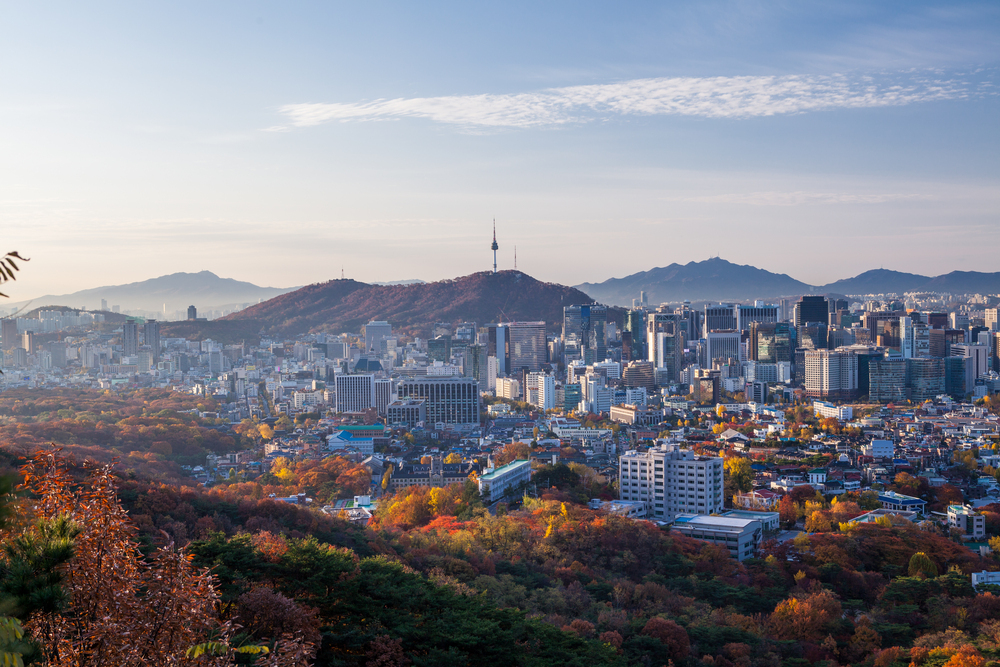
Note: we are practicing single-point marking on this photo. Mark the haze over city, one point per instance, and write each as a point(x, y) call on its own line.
point(278, 145)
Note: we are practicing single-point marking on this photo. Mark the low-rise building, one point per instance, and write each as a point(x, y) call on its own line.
point(826, 409)
point(984, 578)
point(740, 536)
point(409, 412)
point(633, 509)
point(897, 501)
point(879, 449)
point(769, 520)
point(758, 500)
point(971, 523)
point(434, 474)
point(494, 483)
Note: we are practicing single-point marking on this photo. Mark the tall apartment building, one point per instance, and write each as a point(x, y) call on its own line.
point(672, 481)
point(450, 400)
point(547, 393)
point(130, 339)
point(151, 337)
point(831, 375)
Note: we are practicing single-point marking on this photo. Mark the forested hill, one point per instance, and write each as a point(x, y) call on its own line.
point(346, 305)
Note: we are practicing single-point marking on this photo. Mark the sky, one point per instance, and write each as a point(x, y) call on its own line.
point(284, 143)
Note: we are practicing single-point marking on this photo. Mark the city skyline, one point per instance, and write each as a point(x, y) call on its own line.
point(277, 146)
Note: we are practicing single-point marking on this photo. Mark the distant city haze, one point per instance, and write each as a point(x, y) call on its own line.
point(285, 147)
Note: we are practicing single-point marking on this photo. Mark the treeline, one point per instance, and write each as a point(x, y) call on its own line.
point(141, 428)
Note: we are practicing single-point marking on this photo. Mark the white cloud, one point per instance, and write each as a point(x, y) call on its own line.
point(711, 97)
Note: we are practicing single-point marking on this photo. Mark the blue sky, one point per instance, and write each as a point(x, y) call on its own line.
point(277, 143)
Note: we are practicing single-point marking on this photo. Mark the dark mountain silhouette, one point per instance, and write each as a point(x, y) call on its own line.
point(711, 280)
point(878, 281)
point(719, 280)
point(965, 282)
point(204, 290)
point(346, 305)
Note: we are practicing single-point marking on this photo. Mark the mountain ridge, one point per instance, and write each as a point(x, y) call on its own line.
point(346, 305)
point(717, 279)
point(204, 289)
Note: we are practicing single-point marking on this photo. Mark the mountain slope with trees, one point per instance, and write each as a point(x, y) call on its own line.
point(346, 305)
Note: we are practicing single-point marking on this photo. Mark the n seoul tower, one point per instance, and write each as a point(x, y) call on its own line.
point(494, 246)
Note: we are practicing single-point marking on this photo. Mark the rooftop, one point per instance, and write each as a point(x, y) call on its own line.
point(708, 521)
point(496, 472)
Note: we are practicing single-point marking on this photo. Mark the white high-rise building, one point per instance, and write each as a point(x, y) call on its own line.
point(672, 481)
point(508, 388)
point(354, 392)
point(723, 345)
point(546, 392)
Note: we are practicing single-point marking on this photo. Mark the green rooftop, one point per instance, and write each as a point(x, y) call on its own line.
point(503, 469)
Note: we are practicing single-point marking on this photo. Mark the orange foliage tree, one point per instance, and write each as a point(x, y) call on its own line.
point(124, 609)
point(804, 620)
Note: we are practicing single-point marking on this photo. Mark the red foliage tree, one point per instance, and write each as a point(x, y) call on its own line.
point(670, 634)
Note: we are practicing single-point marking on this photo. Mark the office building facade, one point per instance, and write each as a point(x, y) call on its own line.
point(449, 400)
point(672, 481)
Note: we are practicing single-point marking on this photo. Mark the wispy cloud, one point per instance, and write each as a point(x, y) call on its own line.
point(711, 97)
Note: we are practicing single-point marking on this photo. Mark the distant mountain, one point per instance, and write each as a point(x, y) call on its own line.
point(719, 280)
point(711, 280)
point(878, 281)
point(346, 305)
point(177, 291)
point(965, 282)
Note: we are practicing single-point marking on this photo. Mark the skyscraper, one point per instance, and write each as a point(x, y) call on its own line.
point(770, 343)
point(151, 337)
point(526, 346)
point(813, 309)
point(585, 326)
point(375, 333)
point(192, 313)
point(130, 338)
point(831, 375)
point(8, 330)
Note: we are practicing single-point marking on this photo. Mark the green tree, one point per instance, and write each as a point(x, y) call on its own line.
point(920, 563)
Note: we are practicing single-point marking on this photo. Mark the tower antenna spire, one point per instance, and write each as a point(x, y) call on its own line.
point(494, 247)
point(515, 258)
